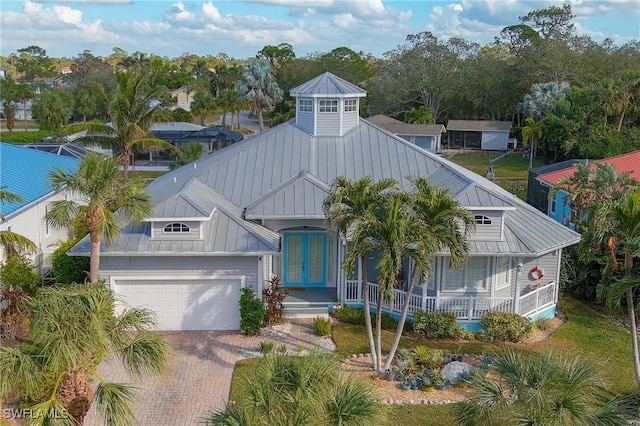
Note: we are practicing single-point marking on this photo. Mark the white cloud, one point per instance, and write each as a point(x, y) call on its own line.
point(344, 20)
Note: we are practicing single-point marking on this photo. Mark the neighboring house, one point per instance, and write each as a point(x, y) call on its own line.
point(426, 136)
point(65, 149)
point(559, 206)
point(3, 73)
point(183, 97)
point(66, 70)
point(25, 172)
point(479, 134)
point(538, 192)
point(254, 210)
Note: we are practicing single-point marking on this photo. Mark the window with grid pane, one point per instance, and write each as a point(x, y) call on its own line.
point(350, 105)
point(472, 275)
point(305, 105)
point(176, 228)
point(328, 105)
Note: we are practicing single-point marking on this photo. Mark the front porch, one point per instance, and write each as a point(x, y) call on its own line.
point(467, 308)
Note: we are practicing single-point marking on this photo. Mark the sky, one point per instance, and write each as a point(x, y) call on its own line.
point(240, 28)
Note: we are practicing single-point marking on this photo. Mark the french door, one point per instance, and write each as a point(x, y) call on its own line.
point(304, 259)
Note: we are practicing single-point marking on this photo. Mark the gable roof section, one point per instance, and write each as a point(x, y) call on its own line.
point(327, 85)
point(625, 163)
point(25, 172)
point(397, 127)
point(300, 197)
point(479, 125)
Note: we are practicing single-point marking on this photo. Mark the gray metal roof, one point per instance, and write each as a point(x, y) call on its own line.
point(327, 85)
point(479, 125)
point(176, 126)
point(397, 127)
point(284, 172)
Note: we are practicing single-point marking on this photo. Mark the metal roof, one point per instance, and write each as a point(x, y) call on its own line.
point(479, 125)
point(177, 126)
point(25, 172)
point(65, 149)
point(285, 172)
point(397, 127)
point(327, 85)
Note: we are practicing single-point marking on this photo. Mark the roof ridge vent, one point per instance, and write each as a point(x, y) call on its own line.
point(175, 180)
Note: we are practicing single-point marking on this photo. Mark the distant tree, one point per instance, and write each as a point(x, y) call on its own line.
point(532, 132)
point(53, 109)
point(203, 104)
point(190, 152)
point(277, 55)
point(420, 115)
point(33, 62)
point(551, 23)
point(542, 99)
point(259, 87)
point(9, 93)
point(85, 102)
point(24, 92)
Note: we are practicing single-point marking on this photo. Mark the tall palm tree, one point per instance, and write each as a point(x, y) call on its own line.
point(531, 134)
point(629, 86)
point(12, 243)
point(438, 223)
point(132, 109)
point(203, 104)
point(542, 97)
point(420, 115)
point(541, 389)
point(345, 205)
point(259, 87)
point(625, 238)
point(72, 329)
point(109, 199)
point(85, 102)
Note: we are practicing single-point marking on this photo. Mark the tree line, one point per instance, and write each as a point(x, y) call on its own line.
point(585, 92)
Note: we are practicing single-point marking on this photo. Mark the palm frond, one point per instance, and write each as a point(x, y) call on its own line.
point(51, 413)
point(20, 373)
point(145, 353)
point(113, 402)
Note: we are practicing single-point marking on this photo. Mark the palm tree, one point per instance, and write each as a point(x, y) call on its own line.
point(625, 238)
point(53, 109)
point(190, 152)
point(12, 243)
point(542, 97)
point(345, 205)
point(203, 104)
point(85, 102)
point(133, 108)
point(259, 87)
point(532, 133)
point(101, 187)
point(541, 389)
point(435, 218)
point(629, 86)
point(52, 369)
point(421, 115)
point(302, 390)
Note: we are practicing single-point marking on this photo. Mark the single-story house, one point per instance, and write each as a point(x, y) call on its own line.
point(25, 172)
point(254, 210)
point(479, 134)
point(559, 206)
point(183, 97)
point(426, 136)
point(538, 192)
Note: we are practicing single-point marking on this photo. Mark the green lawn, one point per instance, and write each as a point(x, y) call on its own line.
point(511, 166)
point(586, 333)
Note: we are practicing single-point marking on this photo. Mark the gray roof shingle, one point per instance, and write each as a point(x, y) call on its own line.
point(479, 125)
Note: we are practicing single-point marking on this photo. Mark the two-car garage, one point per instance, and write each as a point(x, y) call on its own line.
point(185, 302)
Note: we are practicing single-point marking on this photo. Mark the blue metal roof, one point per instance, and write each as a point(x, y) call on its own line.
point(25, 172)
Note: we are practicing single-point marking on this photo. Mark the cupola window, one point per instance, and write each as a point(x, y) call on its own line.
point(176, 228)
point(305, 105)
point(350, 105)
point(328, 105)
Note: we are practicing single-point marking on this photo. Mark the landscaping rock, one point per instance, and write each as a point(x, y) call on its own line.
point(454, 369)
point(327, 344)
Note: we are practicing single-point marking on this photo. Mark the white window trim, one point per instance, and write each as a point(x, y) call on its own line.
point(553, 206)
point(445, 277)
point(482, 219)
point(173, 231)
point(350, 105)
point(307, 104)
point(507, 273)
point(323, 104)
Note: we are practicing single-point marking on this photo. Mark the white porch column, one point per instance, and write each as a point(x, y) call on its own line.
point(516, 305)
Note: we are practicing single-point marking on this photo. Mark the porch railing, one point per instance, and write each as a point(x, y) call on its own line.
point(466, 308)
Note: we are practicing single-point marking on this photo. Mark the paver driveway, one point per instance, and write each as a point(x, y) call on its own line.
point(198, 377)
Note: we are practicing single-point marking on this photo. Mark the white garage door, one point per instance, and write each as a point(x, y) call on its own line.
point(185, 304)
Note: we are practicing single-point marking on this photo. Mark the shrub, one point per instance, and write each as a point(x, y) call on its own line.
point(427, 357)
point(17, 273)
point(69, 269)
point(322, 326)
point(507, 327)
point(543, 323)
point(266, 347)
point(351, 315)
point(251, 313)
point(437, 325)
point(464, 334)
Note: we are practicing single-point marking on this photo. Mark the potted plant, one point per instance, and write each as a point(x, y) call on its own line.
point(390, 374)
point(427, 386)
point(406, 383)
point(402, 356)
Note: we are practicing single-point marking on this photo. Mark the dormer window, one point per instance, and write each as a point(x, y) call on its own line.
point(482, 220)
point(350, 105)
point(305, 105)
point(176, 228)
point(328, 105)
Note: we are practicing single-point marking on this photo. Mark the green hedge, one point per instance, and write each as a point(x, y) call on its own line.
point(437, 325)
point(20, 136)
point(507, 327)
point(352, 315)
point(251, 313)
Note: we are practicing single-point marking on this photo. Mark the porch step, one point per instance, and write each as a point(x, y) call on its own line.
point(302, 311)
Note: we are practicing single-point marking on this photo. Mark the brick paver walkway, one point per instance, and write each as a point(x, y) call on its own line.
point(198, 377)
